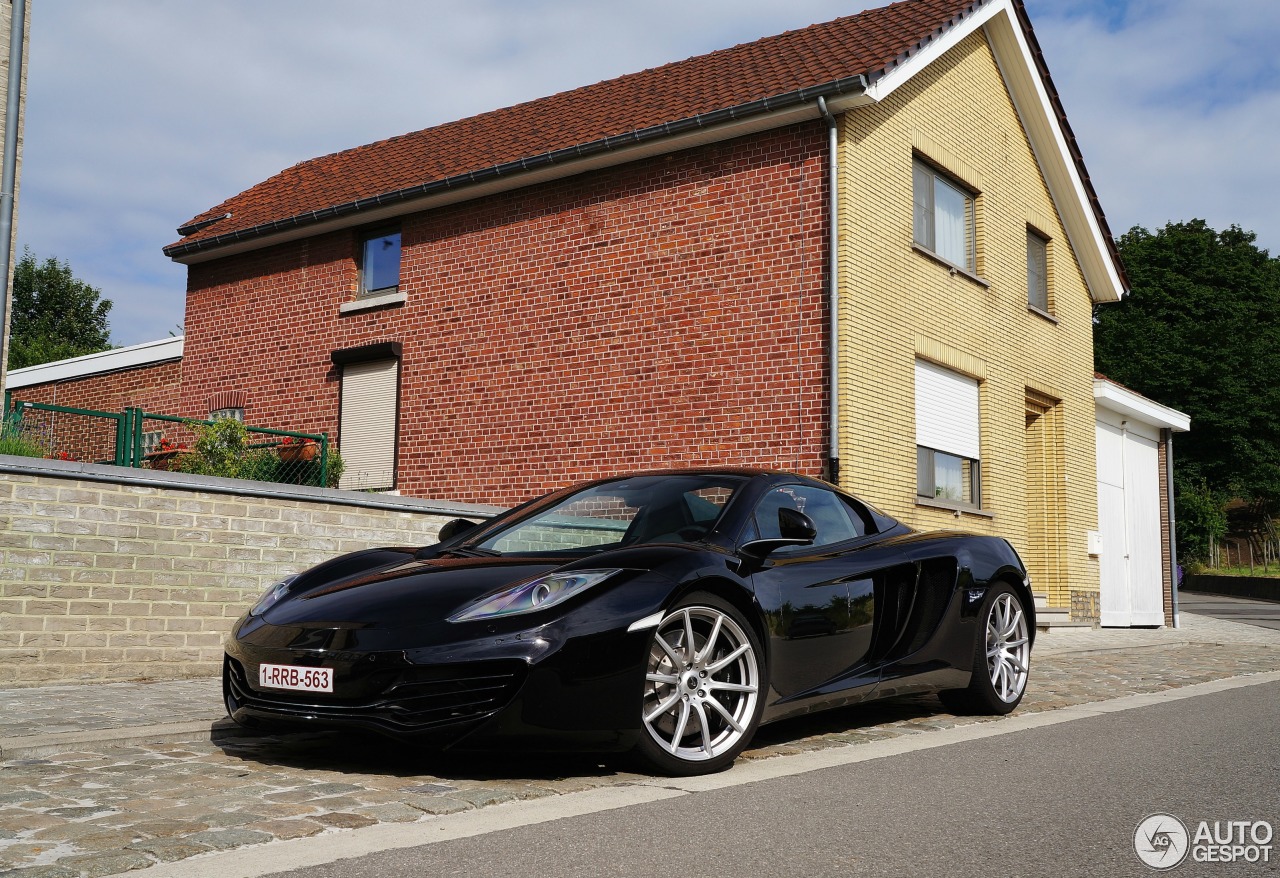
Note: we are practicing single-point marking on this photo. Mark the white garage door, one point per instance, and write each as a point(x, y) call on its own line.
point(1129, 520)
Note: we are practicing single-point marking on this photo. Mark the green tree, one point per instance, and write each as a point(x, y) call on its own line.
point(1200, 332)
point(54, 315)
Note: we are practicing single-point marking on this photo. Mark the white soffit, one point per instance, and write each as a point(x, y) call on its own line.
point(1123, 401)
point(146, 354)
point(1048, 142)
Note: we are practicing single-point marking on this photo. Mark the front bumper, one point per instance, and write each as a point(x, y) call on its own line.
point(405, 702)
point(533, 688)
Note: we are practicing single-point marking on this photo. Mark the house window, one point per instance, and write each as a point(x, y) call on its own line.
point(235, 414)
point(380, 262)
point(943, 216)
point(948, 465)
point(367, 422)
point(1037, 271)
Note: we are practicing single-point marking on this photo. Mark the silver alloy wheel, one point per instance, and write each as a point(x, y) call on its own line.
point(701, 684)
point(1008, 648)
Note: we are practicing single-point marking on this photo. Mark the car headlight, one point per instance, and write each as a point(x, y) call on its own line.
point(272, 595)
point(534, 594)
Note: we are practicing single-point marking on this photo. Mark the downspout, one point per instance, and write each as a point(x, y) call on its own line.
point(9, 175)
point(833, 293)
point(1166, 436)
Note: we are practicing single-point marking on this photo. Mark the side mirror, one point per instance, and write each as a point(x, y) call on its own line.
point(796, 529)
point(795, 525)
point(456, 527)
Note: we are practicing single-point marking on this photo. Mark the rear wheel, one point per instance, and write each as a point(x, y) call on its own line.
point(1002, 657)
point(703, 688)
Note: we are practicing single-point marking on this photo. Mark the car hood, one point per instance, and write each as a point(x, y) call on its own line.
point(393, 589)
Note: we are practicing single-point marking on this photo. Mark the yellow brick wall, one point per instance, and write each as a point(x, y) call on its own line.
point(898, 304)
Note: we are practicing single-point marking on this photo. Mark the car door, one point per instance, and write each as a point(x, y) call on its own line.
point(817, 601)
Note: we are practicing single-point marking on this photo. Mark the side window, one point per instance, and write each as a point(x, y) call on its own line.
point(1037, 272)
point(948, 465)
point(367, 424)
point(380, 262)
point(834, 520)
point(943, 213)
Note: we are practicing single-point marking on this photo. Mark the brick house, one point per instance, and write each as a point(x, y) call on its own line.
point(867, 250)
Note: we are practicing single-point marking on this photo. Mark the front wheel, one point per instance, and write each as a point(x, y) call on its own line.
point(1002, 658)
point(703, 688)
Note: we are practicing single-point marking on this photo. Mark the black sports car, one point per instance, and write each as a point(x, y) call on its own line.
point(668, 613)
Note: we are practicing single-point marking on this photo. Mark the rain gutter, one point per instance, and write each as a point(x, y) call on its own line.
point(833, 290)
point(851, 86)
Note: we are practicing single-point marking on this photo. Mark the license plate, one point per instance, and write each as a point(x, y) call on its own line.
point(294, 677)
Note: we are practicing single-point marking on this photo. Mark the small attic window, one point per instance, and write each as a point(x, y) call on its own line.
point(379, 262)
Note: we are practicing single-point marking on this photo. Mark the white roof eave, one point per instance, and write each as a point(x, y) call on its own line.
point(145, 354)
point(1123, 401)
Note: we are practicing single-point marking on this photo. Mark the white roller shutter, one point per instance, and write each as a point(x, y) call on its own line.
point(368, 429)
point(946, 411)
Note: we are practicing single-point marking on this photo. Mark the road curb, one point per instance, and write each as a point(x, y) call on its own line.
point(31, 746)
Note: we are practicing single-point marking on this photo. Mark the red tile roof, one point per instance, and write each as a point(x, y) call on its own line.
point(788, 69)
point(869, 43)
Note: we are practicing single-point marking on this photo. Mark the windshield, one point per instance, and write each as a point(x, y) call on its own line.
point(626, 512)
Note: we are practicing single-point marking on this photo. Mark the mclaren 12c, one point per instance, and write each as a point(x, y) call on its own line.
point(668, 614)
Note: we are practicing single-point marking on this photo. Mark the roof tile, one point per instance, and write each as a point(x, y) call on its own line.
point(867, 43)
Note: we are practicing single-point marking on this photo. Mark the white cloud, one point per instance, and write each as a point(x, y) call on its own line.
point(142, 113)
point(1176, 105)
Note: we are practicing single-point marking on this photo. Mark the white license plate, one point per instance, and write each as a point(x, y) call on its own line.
point(295, 677)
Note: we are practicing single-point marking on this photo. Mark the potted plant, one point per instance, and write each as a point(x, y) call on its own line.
point(165, 454)
point(293, 449)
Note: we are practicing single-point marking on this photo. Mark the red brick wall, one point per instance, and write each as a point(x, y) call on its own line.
point(667, 313)
point(153, 388)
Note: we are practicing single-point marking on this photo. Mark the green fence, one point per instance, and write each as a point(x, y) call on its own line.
point(136, 438)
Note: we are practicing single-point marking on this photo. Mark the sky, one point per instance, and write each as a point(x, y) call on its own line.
point(143, 113)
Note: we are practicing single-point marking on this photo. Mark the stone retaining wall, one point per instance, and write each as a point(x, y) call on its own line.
point(108, 574)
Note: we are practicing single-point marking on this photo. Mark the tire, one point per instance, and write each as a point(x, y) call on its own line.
point(699, 707)
point(1001, 657)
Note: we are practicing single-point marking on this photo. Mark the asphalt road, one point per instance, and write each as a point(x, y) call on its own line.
point(1060, 800)
point(1264, 614)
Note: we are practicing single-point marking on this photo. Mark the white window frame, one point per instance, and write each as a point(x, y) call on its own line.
point(927, 186)
point(948, 436)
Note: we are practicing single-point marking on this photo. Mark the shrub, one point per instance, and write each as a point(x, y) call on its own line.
point(222, 449)
point(1202, 521)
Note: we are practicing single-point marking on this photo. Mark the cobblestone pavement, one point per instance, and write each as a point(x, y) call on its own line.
point(109, 808)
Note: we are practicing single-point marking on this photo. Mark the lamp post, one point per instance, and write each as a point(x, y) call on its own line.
point(9, 174)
